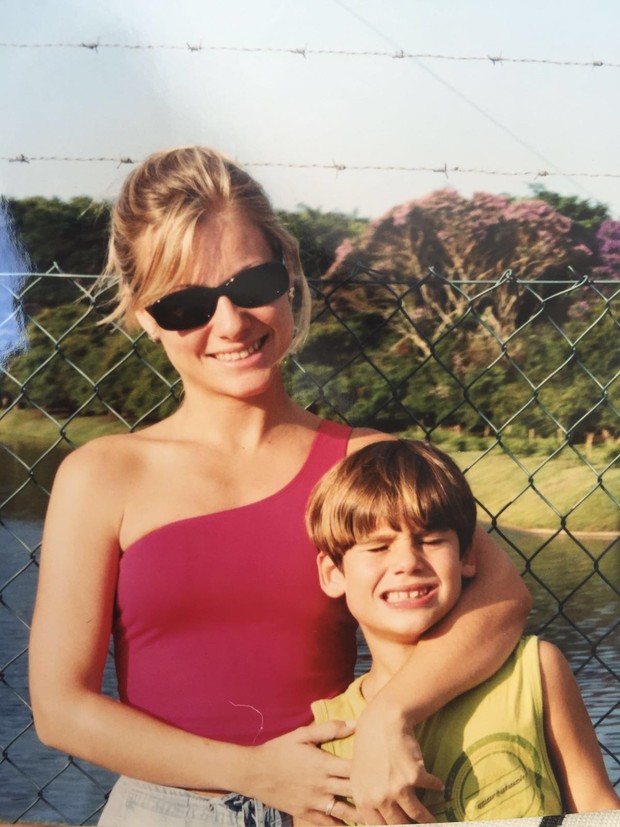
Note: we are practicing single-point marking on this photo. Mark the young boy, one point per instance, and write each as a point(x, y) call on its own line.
point(393, 524)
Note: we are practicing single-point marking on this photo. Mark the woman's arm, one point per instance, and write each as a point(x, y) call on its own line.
point(68, 650)
point(571, 740)
point(464, 649)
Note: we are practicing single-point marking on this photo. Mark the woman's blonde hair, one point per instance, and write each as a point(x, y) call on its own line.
point(408, 484)
point(158, 209)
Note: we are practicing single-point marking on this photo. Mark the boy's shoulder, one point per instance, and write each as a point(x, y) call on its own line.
point(550, 656)
point(556, 673)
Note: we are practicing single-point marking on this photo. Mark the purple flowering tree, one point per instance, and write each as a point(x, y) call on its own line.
point(472, 240)
point(608, 243)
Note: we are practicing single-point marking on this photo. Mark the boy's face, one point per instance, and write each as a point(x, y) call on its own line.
point(398, 584)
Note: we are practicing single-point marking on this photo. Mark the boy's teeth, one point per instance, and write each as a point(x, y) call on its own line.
point(396, 597)
point(239, 354)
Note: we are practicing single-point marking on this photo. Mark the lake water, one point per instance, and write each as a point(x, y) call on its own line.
point(575, 586)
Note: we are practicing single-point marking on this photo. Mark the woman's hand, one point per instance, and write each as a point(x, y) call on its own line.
point(387, 768)
point(298, 777)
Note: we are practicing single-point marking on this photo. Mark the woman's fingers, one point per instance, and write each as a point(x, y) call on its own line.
point(339, 808)
point(388, 768)
point(409, 808)
point(297, 776)
point(327, 731)
point(404, 807)
point(338, 786)
point(344, 811)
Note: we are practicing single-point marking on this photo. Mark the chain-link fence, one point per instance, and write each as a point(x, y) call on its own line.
point(519, 380)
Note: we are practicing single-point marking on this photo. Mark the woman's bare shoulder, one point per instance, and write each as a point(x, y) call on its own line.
point(360, 437)
point(104, 460)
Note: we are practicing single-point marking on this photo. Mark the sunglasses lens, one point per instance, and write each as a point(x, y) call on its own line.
point(259, 285)
point(184, 309)
point(194, 306)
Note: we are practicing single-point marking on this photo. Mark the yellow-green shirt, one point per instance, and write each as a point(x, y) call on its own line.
point(487, 745)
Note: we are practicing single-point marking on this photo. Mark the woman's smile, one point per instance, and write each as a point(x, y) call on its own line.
point(238, 355)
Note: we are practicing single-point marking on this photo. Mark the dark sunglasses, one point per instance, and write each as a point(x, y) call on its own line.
point(194, 306)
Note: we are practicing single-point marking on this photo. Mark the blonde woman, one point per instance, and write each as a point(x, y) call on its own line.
point(186, 542)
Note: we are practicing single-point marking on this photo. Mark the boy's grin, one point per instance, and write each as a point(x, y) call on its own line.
point(398, 583)
point(403, 597)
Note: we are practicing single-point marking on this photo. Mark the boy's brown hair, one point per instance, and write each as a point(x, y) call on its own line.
point(405, 483)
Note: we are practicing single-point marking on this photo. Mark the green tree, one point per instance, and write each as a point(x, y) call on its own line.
point(319, 235)
point(69, 234)
point(74, 365)
point(581, 211)
point(72, 234)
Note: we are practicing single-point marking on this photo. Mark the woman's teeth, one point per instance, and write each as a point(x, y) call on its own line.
point(234, 356)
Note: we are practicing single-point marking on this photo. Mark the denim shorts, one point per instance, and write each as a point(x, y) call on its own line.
point(135, 803)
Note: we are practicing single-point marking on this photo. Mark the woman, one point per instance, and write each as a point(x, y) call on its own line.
point(186, 541)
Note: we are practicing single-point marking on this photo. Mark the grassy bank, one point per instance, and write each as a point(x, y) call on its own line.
point(33, 427)
point(562, 486)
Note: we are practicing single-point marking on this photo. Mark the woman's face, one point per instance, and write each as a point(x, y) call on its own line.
point(238, 351)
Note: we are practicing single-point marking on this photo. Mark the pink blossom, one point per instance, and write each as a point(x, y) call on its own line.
point(400, 213)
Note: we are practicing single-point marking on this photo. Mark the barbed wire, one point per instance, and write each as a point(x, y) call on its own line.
point(27, 159)
point(305, 51)
point(445, 169)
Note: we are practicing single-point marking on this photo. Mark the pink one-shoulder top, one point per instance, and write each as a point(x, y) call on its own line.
point(220, 625)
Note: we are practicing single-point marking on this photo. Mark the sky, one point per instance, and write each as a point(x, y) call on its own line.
point(251, 78)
